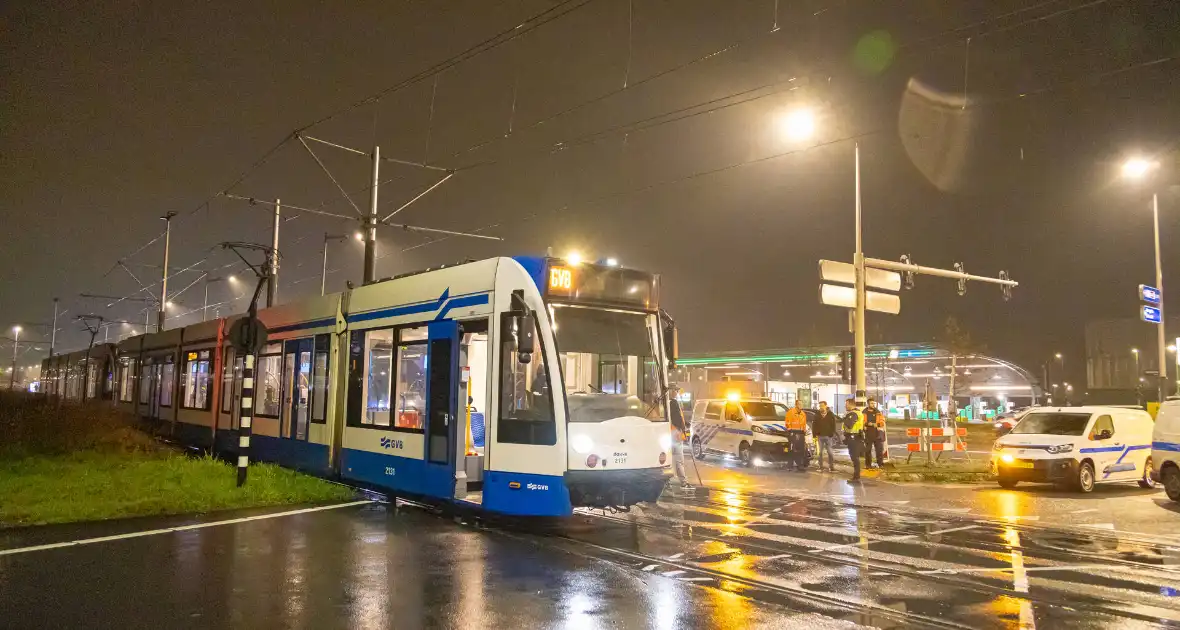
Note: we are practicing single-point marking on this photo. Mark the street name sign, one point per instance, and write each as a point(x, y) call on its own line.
point(1150, 314)
point(1151, 295)
point(845, 273)
point(835, 295)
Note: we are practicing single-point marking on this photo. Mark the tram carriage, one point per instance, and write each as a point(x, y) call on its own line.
point(524, 386)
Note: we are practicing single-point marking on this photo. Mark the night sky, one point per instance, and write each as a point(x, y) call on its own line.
point(116, 112)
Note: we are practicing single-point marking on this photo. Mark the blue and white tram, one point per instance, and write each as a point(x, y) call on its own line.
point(524, 386)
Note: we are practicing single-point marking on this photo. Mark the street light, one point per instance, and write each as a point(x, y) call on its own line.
point(1137, 168)
point(1135, 351)
point(797, 125)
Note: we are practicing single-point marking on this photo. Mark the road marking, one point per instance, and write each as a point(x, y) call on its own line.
point(649, 567)
point(1024, 569)
point(675, 556)
point(1020, 580)
point(866, 542)
point(953, 529)
point(1098, 525)
point(955, 510)
point(182, 528)
point(696, 579)
point(1084, 511)
point(672, 573)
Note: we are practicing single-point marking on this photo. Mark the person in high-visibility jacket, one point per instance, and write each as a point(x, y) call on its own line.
point(854, 423)
point(874, 434)
point(796, 422)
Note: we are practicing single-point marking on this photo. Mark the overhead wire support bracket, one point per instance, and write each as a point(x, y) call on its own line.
point(327, 172)
point(366, 154)
point(264, 202)
point(419, 196)
point(414, 228)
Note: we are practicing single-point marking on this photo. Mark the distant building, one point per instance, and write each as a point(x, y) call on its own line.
point(1113, 371)
point(898, 376)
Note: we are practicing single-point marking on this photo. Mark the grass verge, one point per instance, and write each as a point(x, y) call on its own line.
point(87, 486)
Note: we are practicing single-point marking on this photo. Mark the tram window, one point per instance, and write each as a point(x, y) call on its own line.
point(410, 394)
point(195, 382)
point(166, 381)
point(526, 402)
point(319, 378)
point(227, 381)
point(379, 375)
point(144, 382)
point(354, 413)
point(127, 379)
point(268, 382)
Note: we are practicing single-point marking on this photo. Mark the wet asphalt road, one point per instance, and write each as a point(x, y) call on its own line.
point(737, 558)
point(1120, 507)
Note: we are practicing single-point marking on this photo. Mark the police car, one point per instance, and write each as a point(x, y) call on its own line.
point(751, 429)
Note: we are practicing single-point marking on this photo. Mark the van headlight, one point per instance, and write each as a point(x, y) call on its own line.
point(581, 443)
point(1060, 448)
point(666, 442)
point(757, 429)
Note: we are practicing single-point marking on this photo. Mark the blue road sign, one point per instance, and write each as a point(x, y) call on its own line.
point(1151, 295)
point(1150, 314)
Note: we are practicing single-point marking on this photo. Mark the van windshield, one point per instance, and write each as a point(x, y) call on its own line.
point(765, 410)
point(1052, 423)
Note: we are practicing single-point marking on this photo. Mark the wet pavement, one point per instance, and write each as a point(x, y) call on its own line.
point(1119, 507)
point(740, 557)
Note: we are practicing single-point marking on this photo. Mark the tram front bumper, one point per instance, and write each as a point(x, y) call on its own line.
point(616, 488)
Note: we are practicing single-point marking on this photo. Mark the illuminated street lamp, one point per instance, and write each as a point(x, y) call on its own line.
point(797, 125)
point(1137, 169)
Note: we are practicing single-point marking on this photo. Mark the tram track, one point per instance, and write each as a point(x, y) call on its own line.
point(879, 567)
point(1043, 552)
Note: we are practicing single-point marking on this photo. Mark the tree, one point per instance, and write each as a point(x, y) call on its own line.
point(958, 341)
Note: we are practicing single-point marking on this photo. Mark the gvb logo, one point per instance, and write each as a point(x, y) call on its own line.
point(391, 443)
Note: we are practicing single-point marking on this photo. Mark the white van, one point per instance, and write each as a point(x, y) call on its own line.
point(1165, 448)
point(752, 429)
point(1076, 446)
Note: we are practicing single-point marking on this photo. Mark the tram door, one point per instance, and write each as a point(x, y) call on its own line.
point(154, 403)
point(297, 383)
point(441, 404)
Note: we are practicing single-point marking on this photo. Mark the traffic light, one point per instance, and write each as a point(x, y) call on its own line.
point(844, 366)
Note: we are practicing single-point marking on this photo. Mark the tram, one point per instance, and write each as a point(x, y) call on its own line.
point(522, 386)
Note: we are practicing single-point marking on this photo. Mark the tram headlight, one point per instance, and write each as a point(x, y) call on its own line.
point(582, 443)
point(666, 442)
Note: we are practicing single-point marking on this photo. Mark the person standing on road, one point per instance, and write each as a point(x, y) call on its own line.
point(854, 423)
point(874, 435)
point(680, 437)
point(796, 422)
point(825, 430)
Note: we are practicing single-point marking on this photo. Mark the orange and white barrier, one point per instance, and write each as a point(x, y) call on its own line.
point(930, 440)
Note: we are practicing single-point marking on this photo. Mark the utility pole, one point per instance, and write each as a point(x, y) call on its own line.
point(324, 273)
point(53, 333)
point(164, 285)
point(272, 284)
point(371, 223)
point(858, 260)
point(12, 370)
point(205, 302)
point(1162, 374)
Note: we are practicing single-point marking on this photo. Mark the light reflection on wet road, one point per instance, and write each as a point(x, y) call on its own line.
point(738, 558)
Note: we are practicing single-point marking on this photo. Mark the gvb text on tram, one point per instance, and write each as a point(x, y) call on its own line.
point(524, 386)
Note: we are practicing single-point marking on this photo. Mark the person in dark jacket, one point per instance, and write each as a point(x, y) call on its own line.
point(824, 429)
point(874, 435)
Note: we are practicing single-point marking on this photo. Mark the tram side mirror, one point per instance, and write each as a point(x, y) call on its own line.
point(671, 339)
point(525, 343)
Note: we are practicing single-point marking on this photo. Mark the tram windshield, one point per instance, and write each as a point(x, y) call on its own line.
point(609, 364)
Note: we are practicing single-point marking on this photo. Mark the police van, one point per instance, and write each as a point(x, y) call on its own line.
point(1165, 448)
point(753, 430)
point(1077, 447)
